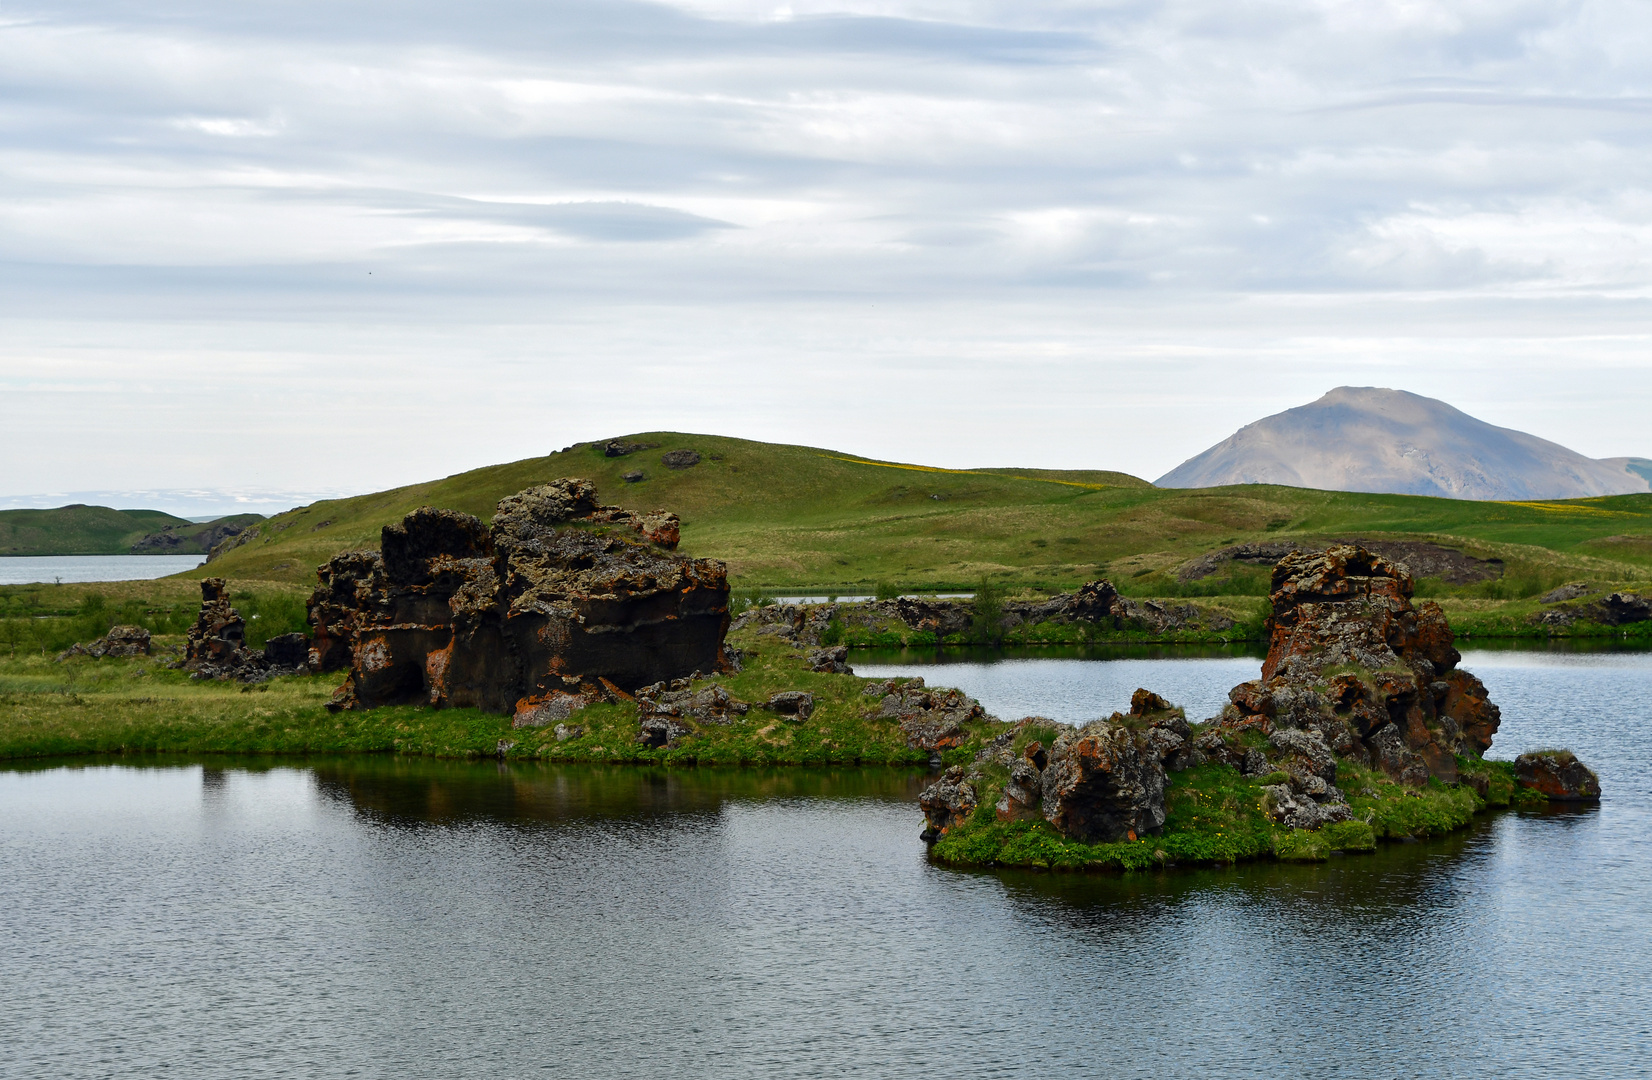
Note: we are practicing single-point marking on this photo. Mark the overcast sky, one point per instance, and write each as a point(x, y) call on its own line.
point(290, 249)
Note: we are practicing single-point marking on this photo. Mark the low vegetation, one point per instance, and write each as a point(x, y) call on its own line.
point(791, 519)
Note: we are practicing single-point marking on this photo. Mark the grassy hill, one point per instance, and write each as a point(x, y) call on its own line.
point(79, 530)
point(99, 530)
point(796, 517)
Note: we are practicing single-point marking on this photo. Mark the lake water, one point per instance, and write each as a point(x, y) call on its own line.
point(385, 917)
point(28, 569)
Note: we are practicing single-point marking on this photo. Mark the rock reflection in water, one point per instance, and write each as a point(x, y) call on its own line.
point(384, 917)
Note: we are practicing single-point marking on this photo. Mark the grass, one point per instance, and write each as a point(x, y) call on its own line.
point(793, 518)
point(87, 706)
point(1213, 815)
point(96, 530)
point(43, 620)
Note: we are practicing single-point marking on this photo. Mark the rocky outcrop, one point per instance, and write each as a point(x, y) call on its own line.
point(1614, 609)
point(830, 661)
point(120, 641)
point(680, 459)
point(1100, 783)
point(1354, 663)
point(194, 537)
point(559, 595)
point(216, 646)
point(1419, 558)
point(1354, 672)
point(930, 719)
point(947, 803)
point(1558, 776)
point(219, 633)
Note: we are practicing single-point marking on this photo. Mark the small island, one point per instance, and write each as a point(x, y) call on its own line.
point(568, 630)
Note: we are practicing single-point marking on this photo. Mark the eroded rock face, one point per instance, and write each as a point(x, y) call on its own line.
point(1558, 775)
point(947, 803)
point(1101, 787)
point(219, 631)
point(560, 595)
point(1352, 662)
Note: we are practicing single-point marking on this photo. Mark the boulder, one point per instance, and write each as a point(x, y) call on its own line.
point(290, 651)
point(1558, 776)
point(120, 641)
point(1100, 787)
point(931, 720)
point(830, 661)
point(680, 459)
point(794, 704)
point(948, 802)
point(560, 594)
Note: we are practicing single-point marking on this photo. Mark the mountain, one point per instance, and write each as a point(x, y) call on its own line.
point(99, 530)
point(1363, 438)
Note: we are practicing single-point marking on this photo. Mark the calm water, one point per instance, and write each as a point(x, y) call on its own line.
point(27, 569)
point(380, 917)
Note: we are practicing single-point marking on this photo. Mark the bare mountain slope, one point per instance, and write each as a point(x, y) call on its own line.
point(1363, 438)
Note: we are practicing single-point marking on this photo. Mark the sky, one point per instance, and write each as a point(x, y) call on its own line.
point(254, 255)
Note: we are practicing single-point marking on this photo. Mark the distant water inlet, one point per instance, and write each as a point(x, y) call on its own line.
point(49, 569)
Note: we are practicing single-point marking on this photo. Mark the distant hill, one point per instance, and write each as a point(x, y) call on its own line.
point(100, 530)
point(803, 518)
point(1361, 438)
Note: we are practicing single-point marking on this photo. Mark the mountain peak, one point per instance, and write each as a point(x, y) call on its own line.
point(1374, 439)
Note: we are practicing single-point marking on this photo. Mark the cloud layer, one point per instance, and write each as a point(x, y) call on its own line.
point(314, 246)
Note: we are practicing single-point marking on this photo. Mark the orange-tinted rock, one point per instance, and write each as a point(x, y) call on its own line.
point(1398, 701)
point(1100, 787)
point(556, 596)
point(1558, 775)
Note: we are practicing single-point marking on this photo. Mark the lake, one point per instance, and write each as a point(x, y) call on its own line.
point(387, 917)
point(48, 569)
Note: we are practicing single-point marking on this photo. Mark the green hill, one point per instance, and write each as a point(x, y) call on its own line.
point(796, 517)
point(79, 530)
point(99, 530)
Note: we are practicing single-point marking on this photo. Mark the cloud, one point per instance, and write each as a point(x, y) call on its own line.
point(1130, 187)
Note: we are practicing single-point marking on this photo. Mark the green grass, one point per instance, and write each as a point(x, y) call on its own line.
point(1213, 815)
point(83, 706)
point(97, 530)
point(796, 517)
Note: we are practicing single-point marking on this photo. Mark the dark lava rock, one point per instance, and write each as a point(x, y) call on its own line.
point(1100, 787)
point(680, 459)
point(634, 477)
point(1570, 591)
point(947, 802)
point(1557, 775)
point(288, 651)
point(560, 594)
point(620, 448)
point(792, 703)
point(219, 632)
point(931, 719)
point(1395, 699)
point(1418, 558)
point(830, 661)
point(120, 641)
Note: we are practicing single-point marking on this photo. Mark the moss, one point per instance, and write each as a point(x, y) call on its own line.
point(1350, 836)
point(1301, 845)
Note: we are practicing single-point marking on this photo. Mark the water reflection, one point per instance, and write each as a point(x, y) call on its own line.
point(379, 916)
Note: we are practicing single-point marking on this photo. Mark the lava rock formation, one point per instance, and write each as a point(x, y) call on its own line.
point(559, 597)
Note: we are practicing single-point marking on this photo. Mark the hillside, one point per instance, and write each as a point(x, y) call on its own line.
point(1368, 439)
point(795, 517)
point(99, 530)
point(79, 530)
